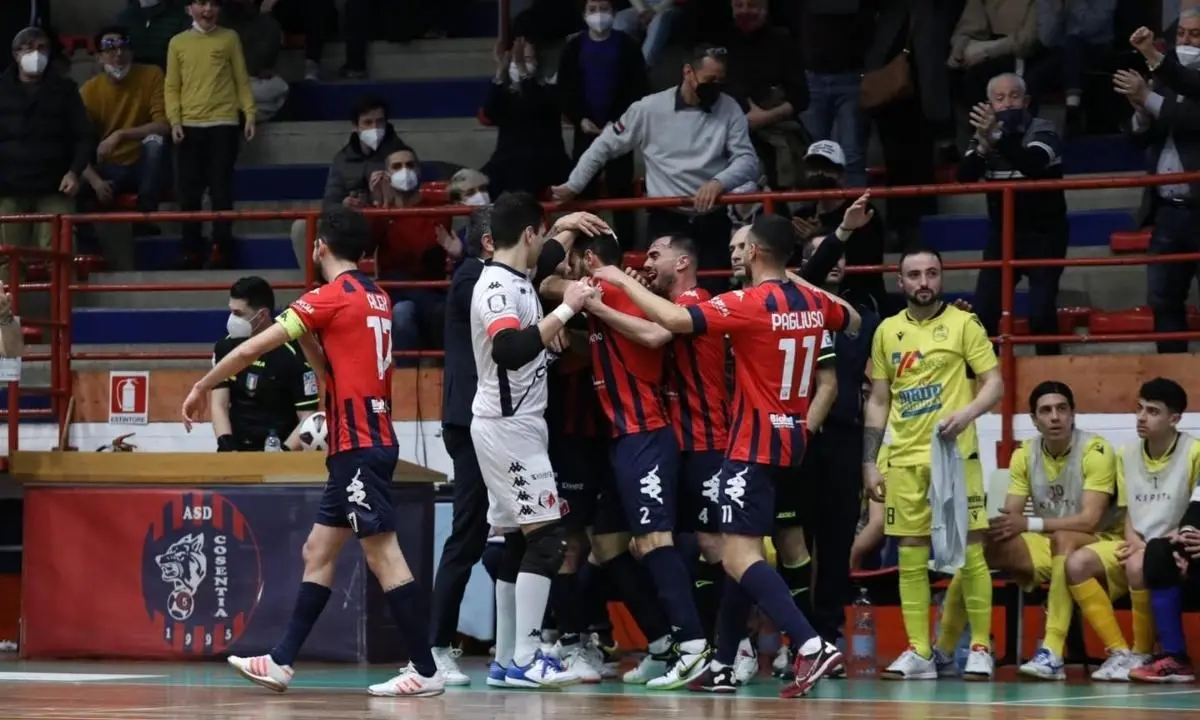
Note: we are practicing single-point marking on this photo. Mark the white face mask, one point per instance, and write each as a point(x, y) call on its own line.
point(599, 22)
point(116, 72)
point(1188, 55)
point(479, 199)
point(404, 180)
point(238, 327)
point(34, 62)
point(371, 138)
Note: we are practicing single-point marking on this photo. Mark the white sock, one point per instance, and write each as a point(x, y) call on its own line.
point(532, 593)
point(506, 622)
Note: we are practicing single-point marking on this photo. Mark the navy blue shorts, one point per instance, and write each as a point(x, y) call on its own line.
point(358, 494)
point(645, 467)
point(748, 497)
point(581, 469)
point(700, 491)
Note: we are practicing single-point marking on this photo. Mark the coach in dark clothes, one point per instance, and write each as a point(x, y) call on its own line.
point(600, 74)
point(469, 531)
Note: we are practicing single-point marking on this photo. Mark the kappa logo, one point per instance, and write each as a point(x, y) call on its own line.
point(516, 468)
point(356, 492)
point(201, 573)
point(494, 286)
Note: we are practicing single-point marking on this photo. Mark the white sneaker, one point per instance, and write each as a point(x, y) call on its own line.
point(1045, 665)
point(262, 670)
point(980, 664)
point(686, 668)
point(446, 660)
point(650, 667)
point(410, 683)
point(578, 659)
point(597, 658)
point(745, 667)
point(781, 666)
point(543, 671)
point(1116, 668)
point(911, 666)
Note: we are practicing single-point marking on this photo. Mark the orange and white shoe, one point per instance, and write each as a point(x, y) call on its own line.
point(410, 683)
point(262, 670)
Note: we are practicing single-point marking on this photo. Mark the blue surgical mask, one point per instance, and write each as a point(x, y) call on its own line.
point(1014, 120)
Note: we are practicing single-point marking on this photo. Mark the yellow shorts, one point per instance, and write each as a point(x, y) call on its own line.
point(1105, 548)
point(906, 500)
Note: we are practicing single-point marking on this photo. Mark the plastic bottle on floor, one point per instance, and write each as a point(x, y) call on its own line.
point(863, 661)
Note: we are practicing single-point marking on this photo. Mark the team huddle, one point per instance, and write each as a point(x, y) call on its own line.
point(608, 424)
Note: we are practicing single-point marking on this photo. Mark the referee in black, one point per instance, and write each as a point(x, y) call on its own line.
point(828, 499)
point(275, 394)
point(469, 530)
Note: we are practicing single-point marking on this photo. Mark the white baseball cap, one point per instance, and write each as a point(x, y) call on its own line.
point(828, 150)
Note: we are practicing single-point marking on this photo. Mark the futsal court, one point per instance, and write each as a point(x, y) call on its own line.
point(211, 691)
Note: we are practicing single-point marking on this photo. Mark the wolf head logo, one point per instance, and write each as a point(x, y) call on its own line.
point(183, 566)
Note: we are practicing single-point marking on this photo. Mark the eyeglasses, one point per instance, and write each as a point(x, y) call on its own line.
point(108, 44)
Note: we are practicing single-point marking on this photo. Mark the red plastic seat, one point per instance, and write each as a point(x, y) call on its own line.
point(1134, 320)
point(32, 335)
point(1130, 241)
point(634, 259)
point(367, 265)
point(71, 43)
point(1069, 319)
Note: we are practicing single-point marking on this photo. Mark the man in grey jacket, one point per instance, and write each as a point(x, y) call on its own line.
point(696, 143)
point(357, 166)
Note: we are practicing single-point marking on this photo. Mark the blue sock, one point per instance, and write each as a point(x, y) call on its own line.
point(772, 596)
point(636, 589)
point(1167, 606)
point(410, 610)
point(674, 585)
point(310, 601)
point(731, 621)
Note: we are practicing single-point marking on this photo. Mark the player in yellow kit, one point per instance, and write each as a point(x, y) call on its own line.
point(919, 386)
point(1156, 475)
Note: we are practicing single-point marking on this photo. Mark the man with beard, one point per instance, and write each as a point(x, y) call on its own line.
point(919, 387)
point(825, 169)
point(821, 511)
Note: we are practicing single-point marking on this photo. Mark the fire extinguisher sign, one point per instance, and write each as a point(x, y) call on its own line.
point(128, 397)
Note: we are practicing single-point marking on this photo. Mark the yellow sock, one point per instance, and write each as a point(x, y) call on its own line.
point(1143, 622)
point(1059, 606)
point(954, 617)
point(914, 596)
point(1097, 609)
point(977, 595)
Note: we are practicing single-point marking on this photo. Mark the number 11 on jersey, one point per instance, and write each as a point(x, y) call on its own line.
point(382, 328)
point(788, 347)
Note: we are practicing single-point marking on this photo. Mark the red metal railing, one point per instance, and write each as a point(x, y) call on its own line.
point(63, 284)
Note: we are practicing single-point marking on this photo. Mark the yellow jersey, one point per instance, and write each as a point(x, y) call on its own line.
point(925, 364)
point(1098, 467)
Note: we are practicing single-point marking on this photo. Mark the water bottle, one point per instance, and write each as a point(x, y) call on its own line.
point(273, 444)
point(862, 639)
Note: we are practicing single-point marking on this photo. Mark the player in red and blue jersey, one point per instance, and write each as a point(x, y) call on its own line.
point(345, 330)
point(628, 375)
point(775, 328)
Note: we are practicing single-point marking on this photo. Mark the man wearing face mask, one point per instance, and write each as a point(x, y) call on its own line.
point(46, 140)
point(364, 154)
point(151, 25)
point(1011, 144)
point(695, 143)
point(413, 248)
point(766, 77)
point(276, 393)
point(601, 73)
point(125, 104)
point(1164, 122)
point(825, 169)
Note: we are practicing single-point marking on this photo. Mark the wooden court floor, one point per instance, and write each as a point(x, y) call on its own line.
point(209, 691)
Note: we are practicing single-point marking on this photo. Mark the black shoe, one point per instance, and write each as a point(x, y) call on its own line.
point(714, 681)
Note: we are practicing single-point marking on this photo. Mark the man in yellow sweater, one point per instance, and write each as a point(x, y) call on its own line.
point(125, 103)
point(206, 86)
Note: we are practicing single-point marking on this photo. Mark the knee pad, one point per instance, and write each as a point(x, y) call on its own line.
point(544, 550)
point(510, 560)
point(1158, 565)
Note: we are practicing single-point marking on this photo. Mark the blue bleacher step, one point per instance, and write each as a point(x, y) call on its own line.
point(279, 183)
point(251, 253)
point(949, 233)
point(1091, 154)
point(27, 401)
point(152, 327)
point(443, 98)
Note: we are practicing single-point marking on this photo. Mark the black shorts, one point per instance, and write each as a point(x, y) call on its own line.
point(358, 494)
point(641, 497)
point(748, 493)
point(581, 468)
point(700, 491)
